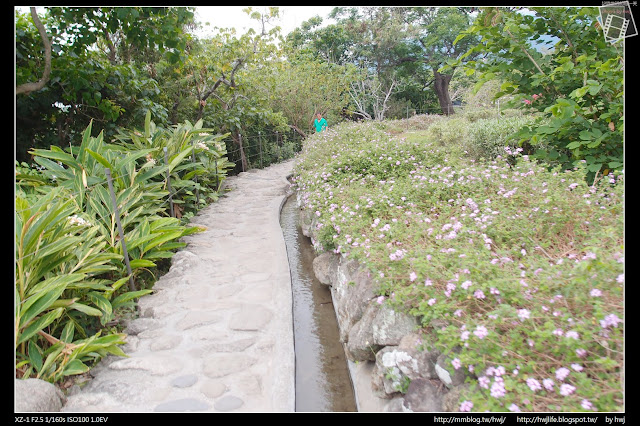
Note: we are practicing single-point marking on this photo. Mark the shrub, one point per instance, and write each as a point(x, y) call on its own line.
point(488, 137)
point(60, 259)
point(449, 131)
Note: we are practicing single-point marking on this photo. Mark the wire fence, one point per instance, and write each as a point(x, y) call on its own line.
point(261, 149)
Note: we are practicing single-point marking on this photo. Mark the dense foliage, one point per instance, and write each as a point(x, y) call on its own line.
point(516, 272)
point(577, 84)
point(71, 271)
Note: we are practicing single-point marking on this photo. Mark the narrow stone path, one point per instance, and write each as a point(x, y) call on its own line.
point(217, 333)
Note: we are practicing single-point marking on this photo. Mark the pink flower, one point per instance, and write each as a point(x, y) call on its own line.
point(466, 406)
point(456, 363)
point(586, 404)
point(527, 101)
point(481, 332)
point(611, 320)
point(534, 385)
point(562, 373)
point(567, 389)
point(412, 276)
point(523, 314)
point(484, 382)
point(497, 389)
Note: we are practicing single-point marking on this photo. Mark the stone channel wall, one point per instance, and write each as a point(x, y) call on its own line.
point(392, 367)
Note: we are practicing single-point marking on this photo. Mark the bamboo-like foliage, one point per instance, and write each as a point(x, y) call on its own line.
point(70, 266)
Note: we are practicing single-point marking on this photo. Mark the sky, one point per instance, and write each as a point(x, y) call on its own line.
point(233, 16)
point(291, 17)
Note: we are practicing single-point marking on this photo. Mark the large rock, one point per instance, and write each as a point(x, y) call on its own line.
point(425, 396)
point(351, 293)
point(399, 366)
point(451, 401)
point(325, 267)
point(36, 395)
point(360, 345)
point(390, 326)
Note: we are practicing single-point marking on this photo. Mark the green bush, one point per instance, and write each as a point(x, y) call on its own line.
point(449, 131)
point(488, 138)
point(60, 258)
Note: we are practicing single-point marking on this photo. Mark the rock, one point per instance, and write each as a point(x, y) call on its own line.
point(351, 293)
point(220, 365)
point(423, 360)
point(37, 395)
point(325, 267)
point(390, 326)
point(228, 403)
point(305, 221)
point(451, 401)
point(424, 395)
point(184, 381)
point(360, 345)
point(388, 379)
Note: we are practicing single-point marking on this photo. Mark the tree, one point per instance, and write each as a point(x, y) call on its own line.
point(303, 86)
point(102, 64)
point(577, 86)
point(215, 83)
point(31, 87)
point(432, 46)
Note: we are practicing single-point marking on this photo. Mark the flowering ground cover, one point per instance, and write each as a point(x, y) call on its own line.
point(515, 271)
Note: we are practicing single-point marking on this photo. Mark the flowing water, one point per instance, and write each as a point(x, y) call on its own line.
point(322, 380)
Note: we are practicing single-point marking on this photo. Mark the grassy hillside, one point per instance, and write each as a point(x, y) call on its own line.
point(514, 269)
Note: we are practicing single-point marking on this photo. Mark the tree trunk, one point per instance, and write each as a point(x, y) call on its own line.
point(297, 130)
point(441, 86)
point(32, 87)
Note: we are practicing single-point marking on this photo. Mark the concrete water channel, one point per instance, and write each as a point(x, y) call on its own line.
point(322, 379)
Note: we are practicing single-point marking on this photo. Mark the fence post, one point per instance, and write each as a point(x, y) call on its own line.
point(260, 147)
point(117, 215)
point(195, 177)
point(242, 154)
point(166, 162)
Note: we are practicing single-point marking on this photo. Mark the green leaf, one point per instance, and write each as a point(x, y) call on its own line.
point(101, 302)
point(86, 309)
point(100, 159)
point(35, 355)
point(126, 297)
point(141, 263)
point(40, 324)
point(74, 367)
point(573, 145)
